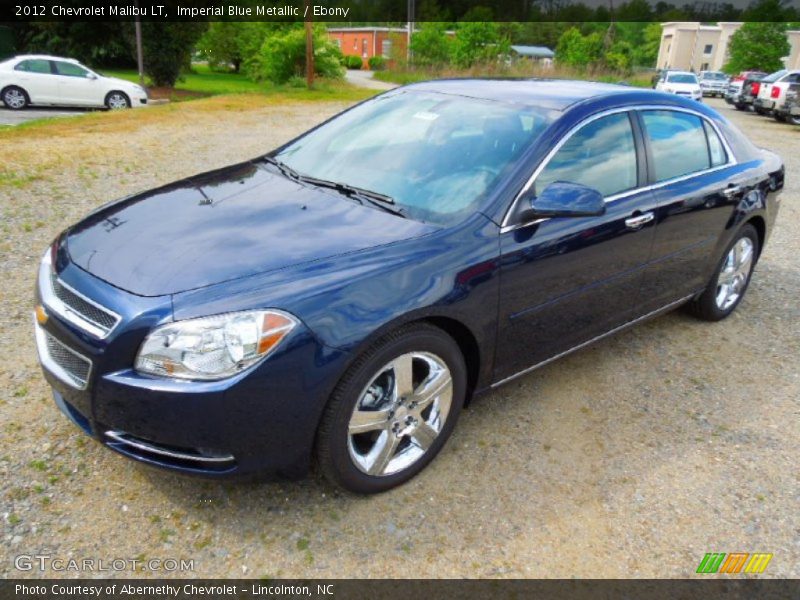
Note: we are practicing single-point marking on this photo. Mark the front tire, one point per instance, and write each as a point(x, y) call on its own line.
point(15, 98)
point(393, 410)
point(117, 101)
point(731, 278)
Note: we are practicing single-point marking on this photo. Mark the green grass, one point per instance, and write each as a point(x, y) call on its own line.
point(202, 81)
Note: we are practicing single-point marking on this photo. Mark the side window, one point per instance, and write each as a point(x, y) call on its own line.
point(34, 66)
point(678, 143)
point(600, 155)
point(70, 69)
point(716, 150)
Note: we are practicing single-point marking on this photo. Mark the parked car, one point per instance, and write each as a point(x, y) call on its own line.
point(763, 102)
point(682, 83)
point(713, 83)
point(344, 296)
point(772, 93)
point(41, 80)
point(791, 105)
point(735, 92)
point(750, 89)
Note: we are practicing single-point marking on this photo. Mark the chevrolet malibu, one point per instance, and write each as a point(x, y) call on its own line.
point(339, 300)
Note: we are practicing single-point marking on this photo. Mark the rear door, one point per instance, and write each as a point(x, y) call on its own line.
point(696, 186)
point(566, 280)
point(36, 77)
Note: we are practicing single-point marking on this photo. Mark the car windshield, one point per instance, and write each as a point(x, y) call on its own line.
point(715, 76)
point(681, 78)
point(774, 76)
point(436, 155)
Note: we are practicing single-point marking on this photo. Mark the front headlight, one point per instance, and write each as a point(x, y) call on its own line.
point(213, 347)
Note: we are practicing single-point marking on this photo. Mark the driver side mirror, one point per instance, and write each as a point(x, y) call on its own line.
point(91, 76)
point(563, 199)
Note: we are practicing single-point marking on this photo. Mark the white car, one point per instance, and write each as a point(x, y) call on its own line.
point(52, 81)
point(682, 83)
point(772, 92)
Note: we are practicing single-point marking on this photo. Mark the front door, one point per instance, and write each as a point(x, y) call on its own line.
point(564, 281)
point(76, 86)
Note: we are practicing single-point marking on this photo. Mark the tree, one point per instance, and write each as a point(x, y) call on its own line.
point(167, 49)
point(430, 45)
point(478, 39)
point(646, 52)
point(757, 46)
point(283, 55)
point(230, 43)
point(578, 50)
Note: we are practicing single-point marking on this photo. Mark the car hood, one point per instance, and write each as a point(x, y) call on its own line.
point(123, 83)
point(682, 87)
point(228, 224)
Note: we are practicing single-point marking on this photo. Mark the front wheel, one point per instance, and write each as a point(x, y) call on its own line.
point(729, 282)
point(117, 101)
point(393, 410)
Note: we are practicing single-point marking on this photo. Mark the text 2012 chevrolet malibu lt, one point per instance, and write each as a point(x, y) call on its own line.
point(341, 298)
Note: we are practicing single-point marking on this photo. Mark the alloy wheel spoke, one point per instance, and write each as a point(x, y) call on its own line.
point(440, 384)
point(363, 421)
point(424, 435)
point(403, 376)
point(382, 453)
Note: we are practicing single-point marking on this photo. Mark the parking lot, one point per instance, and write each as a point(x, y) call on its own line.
point(632, 458)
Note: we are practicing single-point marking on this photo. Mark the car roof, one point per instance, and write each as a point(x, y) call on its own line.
point(555, 94)
point(44, 57)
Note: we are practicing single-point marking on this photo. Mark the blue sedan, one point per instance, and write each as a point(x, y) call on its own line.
point(340, 299)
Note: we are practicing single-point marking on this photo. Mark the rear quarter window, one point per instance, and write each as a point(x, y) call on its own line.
point(678, 143)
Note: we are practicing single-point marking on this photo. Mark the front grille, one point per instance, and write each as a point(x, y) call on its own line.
point(71, 364)
point(101, 318)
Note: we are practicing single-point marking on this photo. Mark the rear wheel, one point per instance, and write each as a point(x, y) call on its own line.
point(393, 410)
point(778, 117)
point(731, 278)
point(15, 98)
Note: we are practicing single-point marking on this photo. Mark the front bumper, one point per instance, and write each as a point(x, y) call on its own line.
point(259, 422)
point(138, 101)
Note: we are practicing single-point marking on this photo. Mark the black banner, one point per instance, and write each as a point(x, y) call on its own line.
point(399, 11)
point(243, 589)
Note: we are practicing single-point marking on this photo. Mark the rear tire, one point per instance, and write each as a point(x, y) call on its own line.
point(393, 410)
point(779, 118)
point(731, 278)
point(15, 98)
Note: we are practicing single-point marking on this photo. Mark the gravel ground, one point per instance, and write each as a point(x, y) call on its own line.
point(632, 458)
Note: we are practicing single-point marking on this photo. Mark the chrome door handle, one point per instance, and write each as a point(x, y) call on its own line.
point(639, 220)
point(731, 191)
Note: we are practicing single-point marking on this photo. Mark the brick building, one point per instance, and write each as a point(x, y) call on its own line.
point(366, 42)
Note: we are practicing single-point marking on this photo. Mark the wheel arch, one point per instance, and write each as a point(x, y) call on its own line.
point(760, 225)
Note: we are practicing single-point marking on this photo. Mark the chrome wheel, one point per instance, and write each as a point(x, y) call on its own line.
point(117, 101)
point(15, 99)
point(734, 274)
point(400, 414)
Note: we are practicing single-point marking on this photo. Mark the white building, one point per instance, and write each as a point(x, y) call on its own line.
point(691, 46)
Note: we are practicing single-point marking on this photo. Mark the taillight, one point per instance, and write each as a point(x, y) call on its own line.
point(776, 91)
point(755, 87)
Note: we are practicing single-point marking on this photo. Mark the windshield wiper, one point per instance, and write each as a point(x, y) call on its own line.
point(361, 195)
point(283, 167)
point(376, 199)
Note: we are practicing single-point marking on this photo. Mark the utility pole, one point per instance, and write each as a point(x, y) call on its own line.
point(409, 55)
point(139, 60)
point(309, 47)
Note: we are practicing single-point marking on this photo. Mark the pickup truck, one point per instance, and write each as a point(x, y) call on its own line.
point(772, 90)
point(713, 83)
point(747, 91)
point(790, 109)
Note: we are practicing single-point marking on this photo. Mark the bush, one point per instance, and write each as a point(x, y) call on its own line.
point(168, 47)
point(377, 63)
point(352, 62)
point(283, 56)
